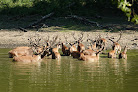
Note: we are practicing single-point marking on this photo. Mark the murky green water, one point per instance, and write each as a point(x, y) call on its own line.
point(70, 75)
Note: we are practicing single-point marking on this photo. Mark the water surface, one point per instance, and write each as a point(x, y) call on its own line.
point(70, 75)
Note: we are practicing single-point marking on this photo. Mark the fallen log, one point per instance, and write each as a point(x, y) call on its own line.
point(22, 29)
point(84, 20)
point(46, 16)
point(40, 20)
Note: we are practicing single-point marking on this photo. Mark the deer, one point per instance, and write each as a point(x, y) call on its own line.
point(20, 51)
point(101, 41)
point(72, 46)
point(80, 47)
point(112, 53)
point(116, 45)
point(65, 49)
point(75, 53)
point(92, 47)
point(36, 55)
point(123, 55)
point(91, 58)
point(30, 58)
point(53, 51)
point(25, 50)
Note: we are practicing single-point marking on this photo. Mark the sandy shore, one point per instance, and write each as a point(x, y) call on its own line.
point(12, 39)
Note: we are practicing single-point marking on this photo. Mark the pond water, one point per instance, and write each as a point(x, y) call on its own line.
point(70, 75)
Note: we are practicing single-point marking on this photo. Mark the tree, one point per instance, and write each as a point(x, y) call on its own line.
point(130, 8)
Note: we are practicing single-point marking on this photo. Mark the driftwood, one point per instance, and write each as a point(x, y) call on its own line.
point(22, 29)
point(84, 20)
point(40, 20)
point(46, 16)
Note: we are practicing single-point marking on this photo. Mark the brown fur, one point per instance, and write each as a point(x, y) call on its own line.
point(123, 55)
point(88, 57)
point(80, 47)
point(112, 53)
point(28, 58)
point(20, 51)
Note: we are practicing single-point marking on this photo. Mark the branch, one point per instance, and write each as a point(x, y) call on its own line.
point(22, 29)
point(40, 20)
point(84, 20)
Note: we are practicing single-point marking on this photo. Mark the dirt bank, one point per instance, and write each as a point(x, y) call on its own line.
point(12, 39)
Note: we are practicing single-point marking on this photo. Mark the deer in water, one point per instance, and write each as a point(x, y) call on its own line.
point(123, 55)
point(25, 50)
point(36, 53)
point(116, 45)
point(54, 51)
point(20, 51)
point(72, 46)
point(75, 52)
point(80, 47)
point(92, 47)
point(112, 53)
point(29, 58)
point(90, 50)
point(65, 49)
point(91, 58)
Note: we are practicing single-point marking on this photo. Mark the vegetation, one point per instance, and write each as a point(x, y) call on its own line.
point(81, 7)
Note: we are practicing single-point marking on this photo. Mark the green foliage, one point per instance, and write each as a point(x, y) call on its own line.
point(135, 19)
point(129, 7)
point(81, 7)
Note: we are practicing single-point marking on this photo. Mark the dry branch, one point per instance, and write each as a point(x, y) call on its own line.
point(46, 16)
point(40, 20)
point(84, 20)
point(22, 29)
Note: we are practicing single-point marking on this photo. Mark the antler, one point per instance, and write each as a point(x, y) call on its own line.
point(69, 42)
point(73, 35)
point(120, 36)
point(53, 41)
point(99, 50)
point(81, 36)
point(109, 38)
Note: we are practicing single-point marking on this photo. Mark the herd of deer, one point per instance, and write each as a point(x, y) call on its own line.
point(76, 49)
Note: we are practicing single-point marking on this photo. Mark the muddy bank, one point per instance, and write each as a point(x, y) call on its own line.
point(12, 39)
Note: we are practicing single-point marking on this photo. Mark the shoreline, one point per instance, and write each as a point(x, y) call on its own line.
point(12, 39)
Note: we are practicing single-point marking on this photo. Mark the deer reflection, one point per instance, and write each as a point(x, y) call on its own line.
point(119, 66)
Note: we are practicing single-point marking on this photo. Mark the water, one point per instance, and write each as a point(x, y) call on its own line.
point(70, 75)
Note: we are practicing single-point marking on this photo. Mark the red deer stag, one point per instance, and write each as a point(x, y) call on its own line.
point(116, 45)
point(30, 58)
point(91, 58)
point(80, 47)
point(24, 50)
point(54, 51)
point(72, 46)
